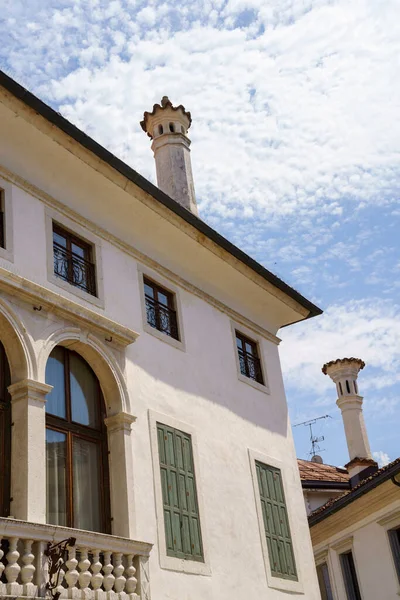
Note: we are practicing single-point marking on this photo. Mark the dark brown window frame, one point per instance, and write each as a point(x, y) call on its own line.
point(2, 219)
point(75, 430)
point(5, 435)
point(161, 313)
point(73, 266)
point(249, 363)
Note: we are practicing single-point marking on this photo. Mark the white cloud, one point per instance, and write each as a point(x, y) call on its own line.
point(381, 458)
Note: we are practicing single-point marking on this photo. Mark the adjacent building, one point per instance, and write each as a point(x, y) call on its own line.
point(145, 444)
point(354, 512)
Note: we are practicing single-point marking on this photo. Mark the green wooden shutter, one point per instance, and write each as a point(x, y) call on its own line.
point(276, 523)
point(178, 481)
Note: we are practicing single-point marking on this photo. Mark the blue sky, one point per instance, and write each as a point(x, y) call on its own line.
point(295, 153)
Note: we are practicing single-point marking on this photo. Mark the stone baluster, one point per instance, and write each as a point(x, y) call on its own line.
point(131, 581)
point(13, 569)
point(72, 574)
point(28, 570)
point(85, 575)
point(97, 576)
point(2, 585)
point(108, 581)
point(119, 584)
point(60, 589)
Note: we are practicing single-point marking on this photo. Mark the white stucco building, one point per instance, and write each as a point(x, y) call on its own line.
point(142, 410)
point(354, 512)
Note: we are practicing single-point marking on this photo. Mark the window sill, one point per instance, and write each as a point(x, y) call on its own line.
point(182, 565)
point(72, 289)
point(261, 387)
point(6, 254)
point(164, 338)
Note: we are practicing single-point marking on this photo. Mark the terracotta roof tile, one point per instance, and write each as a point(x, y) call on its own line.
point(311, 471)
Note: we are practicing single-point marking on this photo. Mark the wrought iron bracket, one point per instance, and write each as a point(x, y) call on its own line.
point(56, 554)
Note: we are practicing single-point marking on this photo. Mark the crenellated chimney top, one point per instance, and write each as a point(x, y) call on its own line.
point(344, 373)
point(167, 127)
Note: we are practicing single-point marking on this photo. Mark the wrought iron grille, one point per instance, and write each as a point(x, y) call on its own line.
point(161, 317)
point(250, 366)
point(74, 269)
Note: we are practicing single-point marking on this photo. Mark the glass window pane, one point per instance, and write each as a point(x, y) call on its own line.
point(162, 298)
point(55, 404)
point(84, 392)
point(239, 343)
point(78, 250)
point(148, 290)
point(59, 239)
point(56, 489)
point(86, 481)
point(249, 348)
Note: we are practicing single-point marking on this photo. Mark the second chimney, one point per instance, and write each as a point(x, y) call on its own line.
point(167, 126)
point(344, 373)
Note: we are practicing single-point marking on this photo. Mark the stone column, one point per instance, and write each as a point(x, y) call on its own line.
point(121, 474)
point(28, 450)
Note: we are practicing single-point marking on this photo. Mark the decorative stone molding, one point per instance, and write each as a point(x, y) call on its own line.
point(29, 388)
point(119, 422)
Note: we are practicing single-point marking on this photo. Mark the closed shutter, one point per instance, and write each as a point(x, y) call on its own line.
point(181, 510)
point(394, 536)
point(350, 576)
point(276, 523)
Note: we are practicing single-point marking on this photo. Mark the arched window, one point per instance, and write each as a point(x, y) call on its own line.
point(76, 445)
point(5, 434)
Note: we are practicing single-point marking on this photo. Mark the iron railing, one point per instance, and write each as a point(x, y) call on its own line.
point(250, 366)
point(161, 317)
point(74, 269)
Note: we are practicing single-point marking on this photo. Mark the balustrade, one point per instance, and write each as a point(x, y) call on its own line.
point(57, 562)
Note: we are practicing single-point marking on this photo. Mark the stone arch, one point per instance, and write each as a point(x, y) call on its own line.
point(101, 360)
point(17, 344)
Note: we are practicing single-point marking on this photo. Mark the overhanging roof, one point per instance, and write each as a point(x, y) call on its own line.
point(102, 153)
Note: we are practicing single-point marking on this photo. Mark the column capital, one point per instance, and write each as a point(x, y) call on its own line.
point(29, 387)
point(120, 421)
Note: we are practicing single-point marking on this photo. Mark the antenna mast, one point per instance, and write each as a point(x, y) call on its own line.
point(315, 447)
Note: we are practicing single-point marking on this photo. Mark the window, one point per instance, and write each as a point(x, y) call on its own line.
point(324, 582)
point(2, 220)
point(160, 309)
point(76, 445)
point(180, 504)
point(350, 576)
point(73, 260)
point(276, 523)
point(5, 435)
point(249, 361)
point(394, 537)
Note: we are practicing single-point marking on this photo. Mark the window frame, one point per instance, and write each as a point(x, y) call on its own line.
point(389, 523)
point(257, 339)
point(170, 306)
point(5, 437)
point(83, 236)
point(74, 430)
point(6, 207)
point(161, 282)
point(320, 565)
point(172, 563)
point(278, 583)
point(349, 575)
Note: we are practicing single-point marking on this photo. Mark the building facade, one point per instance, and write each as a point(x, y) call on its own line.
point(143, 420)
point(354, 512)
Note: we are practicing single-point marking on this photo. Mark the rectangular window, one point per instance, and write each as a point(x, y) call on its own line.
point(350, 576)
point(2, 220)
point(73, 260)
point(394, 537)
point(249, 361)
point(324, 582)
point(276, 523)
point(160, 309)
point(178, 482)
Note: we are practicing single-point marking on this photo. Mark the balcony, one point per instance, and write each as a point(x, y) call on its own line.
point(161, 317)
point(58, 562)
point(74, 269)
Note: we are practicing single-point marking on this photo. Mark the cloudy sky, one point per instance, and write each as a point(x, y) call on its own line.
point(295, 151)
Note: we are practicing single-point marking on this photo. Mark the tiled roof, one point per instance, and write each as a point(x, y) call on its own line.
point(370, 482)
point(312, 471)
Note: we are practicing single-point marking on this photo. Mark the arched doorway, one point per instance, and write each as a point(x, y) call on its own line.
point(77, 481)
point(5, 434)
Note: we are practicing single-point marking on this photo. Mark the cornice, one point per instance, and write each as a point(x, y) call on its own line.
point(136, 254)
point(120, 421)
point(60, 305)
point(29, 388)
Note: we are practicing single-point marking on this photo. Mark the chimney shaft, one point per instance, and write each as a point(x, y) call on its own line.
point(344, 373)
point(167, 126)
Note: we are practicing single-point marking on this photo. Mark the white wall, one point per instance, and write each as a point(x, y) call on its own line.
point(197, 386)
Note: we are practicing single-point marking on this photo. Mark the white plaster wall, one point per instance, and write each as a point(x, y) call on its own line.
point(313, 499)
point(198, 386)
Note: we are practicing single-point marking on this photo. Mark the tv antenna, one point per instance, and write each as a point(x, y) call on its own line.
point(315, 440)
